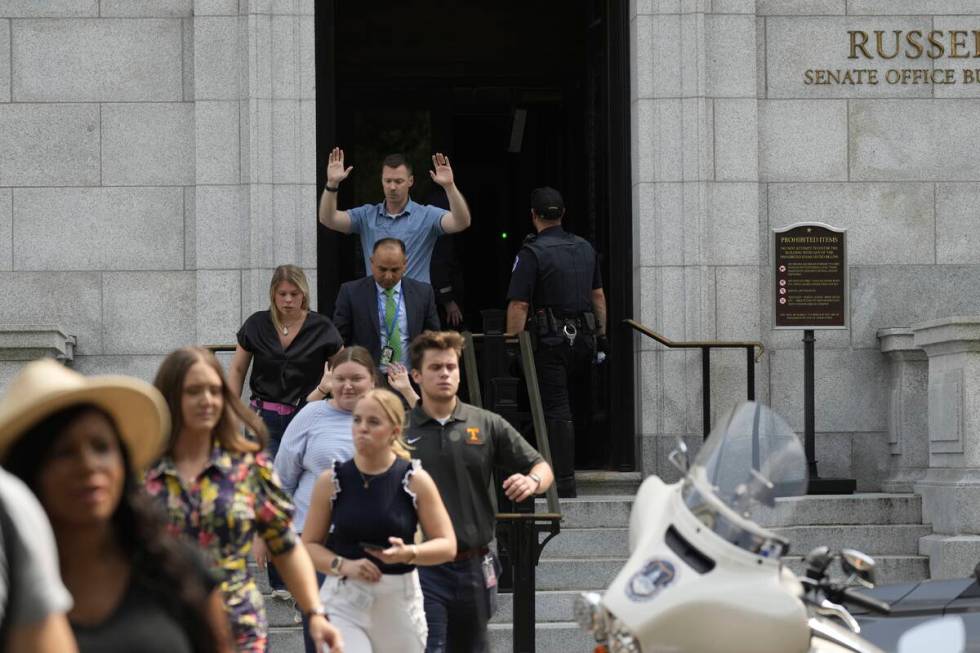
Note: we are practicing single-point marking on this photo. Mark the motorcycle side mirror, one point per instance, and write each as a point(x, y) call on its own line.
point(817, 562)
point(678, 457)
point(859, 566)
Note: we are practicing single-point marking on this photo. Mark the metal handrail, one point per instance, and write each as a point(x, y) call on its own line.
point(706, 346)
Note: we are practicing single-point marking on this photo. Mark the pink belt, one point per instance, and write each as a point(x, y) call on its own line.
point(273, 407)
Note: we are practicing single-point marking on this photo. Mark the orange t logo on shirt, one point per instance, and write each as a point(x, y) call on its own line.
point(474, 435)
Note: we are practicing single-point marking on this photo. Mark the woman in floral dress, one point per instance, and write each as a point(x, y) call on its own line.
point(218, 488)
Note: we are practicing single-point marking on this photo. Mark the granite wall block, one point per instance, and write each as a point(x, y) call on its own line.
point(885, 222)
point(148, 144)
point(882, 296)
point(957, 236)
point(221, 231)
point(736, 135)
point(49, 8)
point(103, 60)
point(148, 312)
point(730, 55)
point(219, 306)
point(6, 229)
point(146, 8)
point(914, 140)
point(98, 229)
point(217, 134)
point(803, 140)
point(4, 61)
point(49, 145)
point(851, 391)
point(216, 58)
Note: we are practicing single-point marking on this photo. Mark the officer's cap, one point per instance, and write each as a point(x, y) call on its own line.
point(547, 202)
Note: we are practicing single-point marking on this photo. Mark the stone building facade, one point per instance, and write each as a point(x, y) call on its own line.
point(158, 160)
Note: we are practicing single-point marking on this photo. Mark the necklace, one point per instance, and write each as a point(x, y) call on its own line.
point(285, 327)
point(367, 478)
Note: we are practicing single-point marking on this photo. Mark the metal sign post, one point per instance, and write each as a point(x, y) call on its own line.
point(810, 293)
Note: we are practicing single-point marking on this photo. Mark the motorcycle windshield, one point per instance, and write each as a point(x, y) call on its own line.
point(750, 458)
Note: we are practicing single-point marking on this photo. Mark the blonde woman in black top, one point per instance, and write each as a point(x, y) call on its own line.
point(360, 531)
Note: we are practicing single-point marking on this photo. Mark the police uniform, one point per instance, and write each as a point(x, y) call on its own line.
point(556, 272)
point(460, 455)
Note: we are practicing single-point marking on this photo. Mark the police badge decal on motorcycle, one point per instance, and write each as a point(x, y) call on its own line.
point(645, 584)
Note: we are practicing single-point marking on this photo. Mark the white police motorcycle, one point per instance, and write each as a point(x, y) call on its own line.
point(703, 577)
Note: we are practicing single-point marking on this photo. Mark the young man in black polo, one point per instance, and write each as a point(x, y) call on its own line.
point(460, 445)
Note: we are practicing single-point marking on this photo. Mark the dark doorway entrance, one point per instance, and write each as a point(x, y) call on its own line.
point(519, 95)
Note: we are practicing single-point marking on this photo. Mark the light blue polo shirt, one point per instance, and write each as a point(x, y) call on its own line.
point(418, 226)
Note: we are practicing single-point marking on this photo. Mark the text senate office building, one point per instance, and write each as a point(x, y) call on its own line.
point(158, 158)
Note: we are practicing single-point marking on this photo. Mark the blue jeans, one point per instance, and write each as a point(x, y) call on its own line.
point(458, 606)
point(276, 424)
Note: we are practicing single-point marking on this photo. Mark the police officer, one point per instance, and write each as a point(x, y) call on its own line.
point(556, 293)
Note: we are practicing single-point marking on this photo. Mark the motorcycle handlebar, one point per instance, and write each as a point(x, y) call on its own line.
point(851, 596)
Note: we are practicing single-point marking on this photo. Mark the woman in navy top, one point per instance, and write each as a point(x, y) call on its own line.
point(366, 511)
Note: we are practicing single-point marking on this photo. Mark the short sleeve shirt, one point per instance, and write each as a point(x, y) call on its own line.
point(30, 584)
point(418, 226)
point(317, 436)
point(461, 456)
point(524, 273)
point(288, 375)
point(236, 497)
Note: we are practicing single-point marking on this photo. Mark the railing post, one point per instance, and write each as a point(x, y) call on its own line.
point(750, 373)
point(706, 390)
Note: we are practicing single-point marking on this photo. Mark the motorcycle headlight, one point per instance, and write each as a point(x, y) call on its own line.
point(622, 641)
point(591, 616)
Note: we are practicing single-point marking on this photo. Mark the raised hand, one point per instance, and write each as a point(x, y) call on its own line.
point(336, 172)
point(443, 173)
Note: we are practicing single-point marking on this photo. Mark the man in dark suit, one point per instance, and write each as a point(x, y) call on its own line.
point(384, 311)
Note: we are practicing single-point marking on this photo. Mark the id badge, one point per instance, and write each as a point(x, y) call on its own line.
point(386, 355)
point(489, 573)
point(358, 596)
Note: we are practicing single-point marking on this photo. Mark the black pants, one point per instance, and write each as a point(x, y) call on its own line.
point(556, 364)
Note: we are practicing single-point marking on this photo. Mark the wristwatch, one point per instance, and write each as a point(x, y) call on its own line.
point(335, 565)
point(537, 479)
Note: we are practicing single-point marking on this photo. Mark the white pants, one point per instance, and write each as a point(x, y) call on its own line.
point(382, 617)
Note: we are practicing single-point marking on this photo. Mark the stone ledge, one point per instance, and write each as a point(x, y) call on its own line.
point(947, 335)
point(901, 341)
point(24, 342)
point(951, 556)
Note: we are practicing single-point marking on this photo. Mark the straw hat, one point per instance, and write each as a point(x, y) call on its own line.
point(44, 387)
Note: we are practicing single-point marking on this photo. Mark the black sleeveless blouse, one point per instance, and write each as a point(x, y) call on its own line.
point(370, 509)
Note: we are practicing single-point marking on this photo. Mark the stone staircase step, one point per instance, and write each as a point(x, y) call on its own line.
point(587, 542)
point(549, 606)
point(856, 509)
point(601, 482)
point(576, 573)
point(890, 569)
point(597, 511)
point(565, 637)
point(561, 637)
point(874, 540)
point(286, 640)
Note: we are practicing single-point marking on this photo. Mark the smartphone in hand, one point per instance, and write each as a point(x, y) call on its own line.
point(371, 547)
